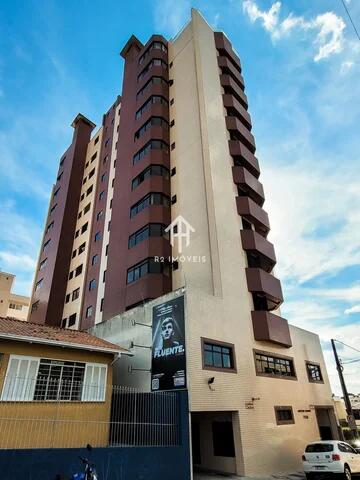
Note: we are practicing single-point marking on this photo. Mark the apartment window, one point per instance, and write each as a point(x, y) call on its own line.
point(79, 215)
point(94, 156)
point(92, 173)
point(43, 264)
point(96, 140)
point(173, 146)
point(109, 226)
point(171, 64)
point(173, 199)
point(218, 355)
point(49, 227)
point(150, 230)
point(39, 284)
point(89, 190)
point(15, 306)
point(92, 284)
point(86, 164)
point(173, 171)
point(59, 176)
point(112, 182)
point(284, 415)
point(71, 274)
point(223, 439)
point(53, 209)
point(103, 177)
point(272, 366)
point(82, 248)
point(172, 101)
point(75, 294)
point(67, 298)
point(63, 323)
point(152, 46)
point(87, 208)
point(82, 197)
point(77, 233)
point(107, 142)
point(149, 199)
point(153, 121)
point(151, 145)
point(314, 372)
point(158, 99)
point(95, 259)
point(172, 123)
point(34, 306)
point(171, 82)
point(155, 62)
point(106, 250)
point(104, 276)
point(62, 161)
point(84, 227)
point(56, 192)
point(150, 171)
point(152, 81)
point(105, 159)
point(78, 270)
point(143, 268)
point(102, 195)
point(72, 320)
point(111, 202)
point(102, 305)
point(97, 236)
point(89, 311)
point(73, 254)
point(99, 215)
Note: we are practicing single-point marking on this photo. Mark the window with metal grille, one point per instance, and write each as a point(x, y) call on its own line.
point(284, 415)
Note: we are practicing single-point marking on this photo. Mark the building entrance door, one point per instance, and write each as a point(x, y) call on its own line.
point(213, 448)
point(326, 422)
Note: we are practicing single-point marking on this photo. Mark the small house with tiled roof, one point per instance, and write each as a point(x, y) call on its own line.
point(55, 386)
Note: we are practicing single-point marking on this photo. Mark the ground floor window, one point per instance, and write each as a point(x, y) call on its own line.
point(284, 415)
point(40, 379)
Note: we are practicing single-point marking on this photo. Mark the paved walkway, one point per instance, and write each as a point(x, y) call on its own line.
point(217, 476)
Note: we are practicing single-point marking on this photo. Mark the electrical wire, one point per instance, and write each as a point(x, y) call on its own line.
point(349, 346)
point(351, 20)
point(350, 361)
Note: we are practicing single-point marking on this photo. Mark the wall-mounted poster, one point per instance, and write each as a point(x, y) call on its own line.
point(168, 366)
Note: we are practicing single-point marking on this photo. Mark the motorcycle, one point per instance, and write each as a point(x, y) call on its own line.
point(89, 472)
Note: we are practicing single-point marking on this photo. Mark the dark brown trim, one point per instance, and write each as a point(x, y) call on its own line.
point(308, 362)
point(222, 344)
point(277, 355)
point(284, 422)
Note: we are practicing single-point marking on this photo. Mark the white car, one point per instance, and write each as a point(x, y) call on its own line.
point(327, 457)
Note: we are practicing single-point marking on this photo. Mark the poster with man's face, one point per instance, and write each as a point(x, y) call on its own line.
point(168, 366)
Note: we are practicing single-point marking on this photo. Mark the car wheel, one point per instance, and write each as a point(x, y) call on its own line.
point(347, 473)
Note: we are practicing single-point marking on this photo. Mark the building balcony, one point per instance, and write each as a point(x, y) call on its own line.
point(154, 157)
point(153, 110)
point(153, 89)
point(153, 132)
point(152, 285)
point(235, 109)
point(240, 133)
point(150, 247)
point(230, 86)
point(153, 53)
point(248, 184)
point(154, 71)
point(224, 47)
point(254, 214)
point(271, 328)
point(265, 285)
point(227, 67)
point(259, 249)
point(243, 157)
point(151, 214)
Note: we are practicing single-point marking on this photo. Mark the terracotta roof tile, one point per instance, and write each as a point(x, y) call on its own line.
point(11, 326)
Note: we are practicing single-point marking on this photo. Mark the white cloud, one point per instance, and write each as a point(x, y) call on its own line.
point(329, 27)
point(354, 309)
point(346, 66)
point(170, 16)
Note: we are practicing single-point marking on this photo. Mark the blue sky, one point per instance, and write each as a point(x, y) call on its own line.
point(301, 63)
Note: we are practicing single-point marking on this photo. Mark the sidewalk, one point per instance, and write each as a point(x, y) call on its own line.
point(210, 476)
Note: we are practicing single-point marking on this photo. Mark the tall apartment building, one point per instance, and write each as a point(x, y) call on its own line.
point(179, 143)
point(12, 304)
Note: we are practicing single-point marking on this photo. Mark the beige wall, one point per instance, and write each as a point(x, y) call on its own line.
point(108, 211)
point(52, 423)
point(12, 305)
point(74, 306)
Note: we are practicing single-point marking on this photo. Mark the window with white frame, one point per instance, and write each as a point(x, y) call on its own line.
point(38, 379)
